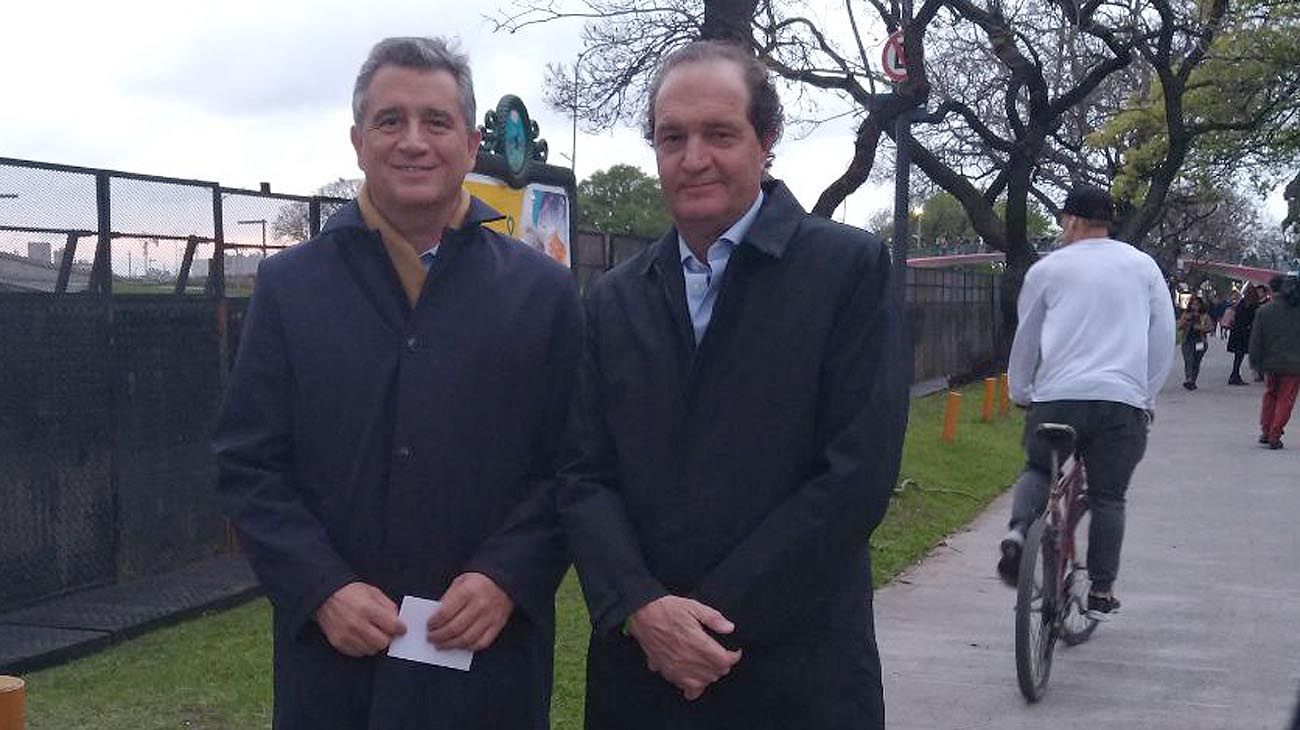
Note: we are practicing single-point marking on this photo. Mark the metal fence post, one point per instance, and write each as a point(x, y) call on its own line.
point(313, 218)
point(65, 265)
point(101, 272)
point(217, 270)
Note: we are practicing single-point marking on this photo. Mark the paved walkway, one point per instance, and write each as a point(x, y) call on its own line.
point(1209, 636)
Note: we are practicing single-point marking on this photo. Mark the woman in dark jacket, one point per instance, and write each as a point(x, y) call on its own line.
point(1239, 340)
point(1194, 325)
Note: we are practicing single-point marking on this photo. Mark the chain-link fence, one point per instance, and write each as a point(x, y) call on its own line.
point(120, 296)
point(70, 229)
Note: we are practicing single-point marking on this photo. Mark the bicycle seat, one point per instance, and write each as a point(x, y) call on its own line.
point(1058, 436)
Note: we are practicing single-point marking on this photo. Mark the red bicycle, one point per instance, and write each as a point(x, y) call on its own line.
point(1052, 594)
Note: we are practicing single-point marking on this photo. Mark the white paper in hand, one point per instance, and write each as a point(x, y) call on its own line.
point(414, 644)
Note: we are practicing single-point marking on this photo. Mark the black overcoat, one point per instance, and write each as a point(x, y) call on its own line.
point(1242, 322)
point(365, 439)
point(747, 472)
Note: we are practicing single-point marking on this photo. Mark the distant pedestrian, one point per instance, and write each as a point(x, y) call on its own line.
point(1229, 310)
point(1239, 339)
point(1217, 306)
point(1265, 292)
point(1275, 352)
point(1195, 326)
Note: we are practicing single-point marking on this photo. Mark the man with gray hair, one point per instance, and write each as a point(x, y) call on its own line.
point(390, 428)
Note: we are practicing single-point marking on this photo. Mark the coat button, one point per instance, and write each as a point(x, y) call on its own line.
point(404, 452)
point(412, 343)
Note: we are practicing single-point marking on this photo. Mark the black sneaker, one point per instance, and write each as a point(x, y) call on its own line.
point(1009, 563)
point(1263, 438)
point(1275, 445)
point(1102, 604)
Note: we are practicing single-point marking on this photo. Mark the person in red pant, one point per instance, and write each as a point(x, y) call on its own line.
point(1275, 351)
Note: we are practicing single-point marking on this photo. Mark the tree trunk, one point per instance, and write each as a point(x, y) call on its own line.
point(729, 20)
point(1019, 259)
point(1020, 255)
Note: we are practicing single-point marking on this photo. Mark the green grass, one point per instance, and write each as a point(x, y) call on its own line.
point(210, 673)
point(944, 486)
point(214, 672)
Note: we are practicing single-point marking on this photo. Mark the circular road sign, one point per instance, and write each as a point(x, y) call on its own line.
point(892, 59)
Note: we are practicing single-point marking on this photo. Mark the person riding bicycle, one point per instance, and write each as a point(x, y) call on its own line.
point(1093, 348)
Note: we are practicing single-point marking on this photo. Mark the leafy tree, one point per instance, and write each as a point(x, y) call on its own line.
point(942, 218)
point(292, 221)
point(622, 199)
point(1220, 100)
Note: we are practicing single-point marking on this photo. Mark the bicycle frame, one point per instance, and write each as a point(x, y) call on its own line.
point(1045, 610)
point(1066, 504)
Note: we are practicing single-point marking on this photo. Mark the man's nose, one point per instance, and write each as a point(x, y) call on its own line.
point(412, 139)
point(695, 156)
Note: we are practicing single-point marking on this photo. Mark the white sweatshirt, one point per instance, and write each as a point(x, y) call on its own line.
point(1096, 323)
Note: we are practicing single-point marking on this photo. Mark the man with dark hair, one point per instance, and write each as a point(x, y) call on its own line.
point(392, 424)
point(1275, 352)
point(737, 435)
point(1092, 349)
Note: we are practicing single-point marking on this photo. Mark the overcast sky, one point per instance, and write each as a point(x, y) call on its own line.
point(246, 91)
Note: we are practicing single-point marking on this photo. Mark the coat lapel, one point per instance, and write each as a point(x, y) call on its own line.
point(667, 266)
point(763, 245)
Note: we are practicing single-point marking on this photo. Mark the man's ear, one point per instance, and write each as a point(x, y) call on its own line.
point(355, 135)
point(475, 141)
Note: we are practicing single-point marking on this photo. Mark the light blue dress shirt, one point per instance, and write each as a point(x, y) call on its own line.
point(704, 278)
point(427, 257)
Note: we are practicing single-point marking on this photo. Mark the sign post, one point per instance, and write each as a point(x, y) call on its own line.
point(894, 64)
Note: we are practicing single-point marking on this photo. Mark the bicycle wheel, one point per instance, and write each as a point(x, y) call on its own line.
point(1036, 611)
point(1076, 625)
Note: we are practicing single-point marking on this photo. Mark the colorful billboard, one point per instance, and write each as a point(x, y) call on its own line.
point(536, 214)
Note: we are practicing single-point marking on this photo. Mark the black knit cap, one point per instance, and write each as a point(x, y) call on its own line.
point(1090, 202)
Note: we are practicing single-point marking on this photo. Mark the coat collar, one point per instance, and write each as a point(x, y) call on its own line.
point(411, 274)
point(770, 233)
point(349, 216)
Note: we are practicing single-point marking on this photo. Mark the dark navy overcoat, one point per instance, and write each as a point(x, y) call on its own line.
point(365, 439)
point(746, 472)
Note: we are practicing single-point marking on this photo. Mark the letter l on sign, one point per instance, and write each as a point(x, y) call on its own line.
point(892, 60)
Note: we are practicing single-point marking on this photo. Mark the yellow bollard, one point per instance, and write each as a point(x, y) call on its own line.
point(11, 703)
point(1004, 395)
point(990, 388)
point(950, 415)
